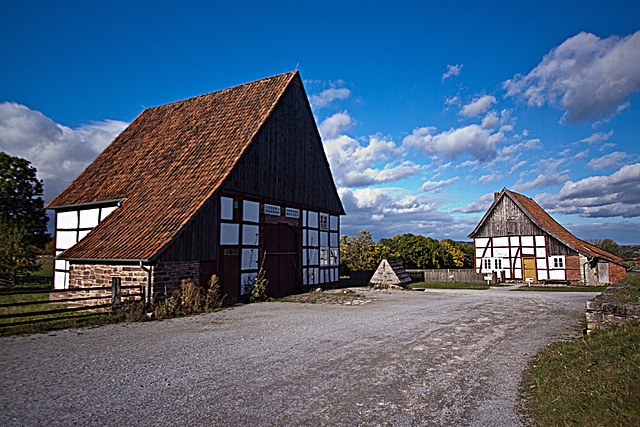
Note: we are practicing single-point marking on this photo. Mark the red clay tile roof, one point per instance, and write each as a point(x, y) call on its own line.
point(543, 220)
point(165, 165)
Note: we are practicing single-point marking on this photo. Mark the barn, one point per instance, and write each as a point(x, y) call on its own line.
point(518, 239)
point(222, 183)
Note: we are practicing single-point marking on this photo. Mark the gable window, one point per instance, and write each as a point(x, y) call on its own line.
point(272, 210)
point(324, 221)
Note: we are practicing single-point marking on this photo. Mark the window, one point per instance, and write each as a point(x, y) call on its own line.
point(292, 213)
point(497, 263)
point(324, 221)
point(557, 262)
point(487, 264)
point(272, 210)
point(324, 256)
point(334, 257)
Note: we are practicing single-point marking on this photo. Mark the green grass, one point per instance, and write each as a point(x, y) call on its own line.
point(633, 293)
point(46, 270)
point(594, 380)
point(450, 285)
point(562, 288)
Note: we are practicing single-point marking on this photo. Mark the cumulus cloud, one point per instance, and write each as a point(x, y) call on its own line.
point(542, 180)
point(532, 144)
point(58, 152)
point(327, 96)
point(437, 185)
point(452, 70)
point(617, 194)
point(491, 120)
point(478, 106)
point(480, 205)
point(486, 179)
point(609, 161)
point(473, 140)
point(597, 137)
point(586, 76)
point(334, 125)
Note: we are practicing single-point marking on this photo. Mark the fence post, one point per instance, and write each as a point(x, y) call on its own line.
point(116, 291)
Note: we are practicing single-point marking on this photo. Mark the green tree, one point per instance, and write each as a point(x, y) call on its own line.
point(17, 256)
point(359, 252)
point(608, 245)
point(21, 203)
point(461, 253)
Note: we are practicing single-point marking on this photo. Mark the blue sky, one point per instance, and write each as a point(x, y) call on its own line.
point(425, 108)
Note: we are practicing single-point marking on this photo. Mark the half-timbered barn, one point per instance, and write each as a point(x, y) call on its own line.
point(221, 183)
point(520, 241)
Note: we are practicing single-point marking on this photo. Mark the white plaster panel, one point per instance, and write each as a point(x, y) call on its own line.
point(540, 241)
point(249, 259)
point(542, 275)
point(226, 208)
point(541, 263)
point(324, 238)
point(67, 219)
point(250, 234)
point(65, 239)
point(517, 263)
point(250, 211)
point(501, 252)
point(313, 238)
point(304, 218)
point(333, 223)
point(336, 274)
point(517, 273)
point(507, 274)
point(515, 240)
point(305, 277)
point(527, 240)
point(82, 233)
point(333, 239)
point(106, 211)
point(481, 242)
point(528, 251)
point(514, 252)
point(556, 275)
point(61, 264)
point(501, 241)
point(89, 218)
point(479, 252)
point(229, 234)
point(541, 252)
point(304, 257)
point(313, 256)
point(313, 219)
point(304, 237)
point(478, 263)
point(60, 280)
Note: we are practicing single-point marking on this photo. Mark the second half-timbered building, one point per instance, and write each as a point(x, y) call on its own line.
point(222, 183)
point(517, 239)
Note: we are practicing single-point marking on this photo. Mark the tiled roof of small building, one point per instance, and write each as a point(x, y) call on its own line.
point(543, 220)
point(165, 165)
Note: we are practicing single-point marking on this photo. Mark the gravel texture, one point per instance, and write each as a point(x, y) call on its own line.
point(402, 358)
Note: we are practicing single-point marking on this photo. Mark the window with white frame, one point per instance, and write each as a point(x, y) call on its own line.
point(324, 221)
point(557, 262)
point(497, 262)
point(487, 263)
point(324, 256)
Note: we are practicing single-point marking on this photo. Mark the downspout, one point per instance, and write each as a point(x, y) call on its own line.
point(147, 291)
point(584, 272)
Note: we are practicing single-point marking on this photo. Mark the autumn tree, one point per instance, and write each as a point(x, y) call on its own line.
point(359, 252)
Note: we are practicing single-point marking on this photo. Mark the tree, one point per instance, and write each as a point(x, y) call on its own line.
point(17, 256)
point(359, 252)
point(21, 203)
point(608, 245)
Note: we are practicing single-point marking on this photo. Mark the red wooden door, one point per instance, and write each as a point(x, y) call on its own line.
point(231, 275)
point(280, 264)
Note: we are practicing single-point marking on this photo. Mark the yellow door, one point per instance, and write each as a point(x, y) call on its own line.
point(529, 268)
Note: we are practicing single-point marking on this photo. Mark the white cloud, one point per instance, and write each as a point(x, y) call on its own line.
point(612, 160)
point(532, 144)
point(472, 140)
point(486, 179)
point(597, 137)
point(517, 166)
point(491, 120)
point(452, 70)
point(58, 152)
point(542, 180)
point(480, 205)
point(478, 106)
point(333, 126)
point(437, 185)
point(586, 76)
point(599, 196)
point(327, 96)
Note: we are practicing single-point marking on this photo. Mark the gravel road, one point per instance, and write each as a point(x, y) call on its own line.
point(403, 358)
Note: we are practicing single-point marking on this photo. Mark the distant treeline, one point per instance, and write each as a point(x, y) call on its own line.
point(361, 252)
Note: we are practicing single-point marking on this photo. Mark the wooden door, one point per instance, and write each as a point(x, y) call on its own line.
point(529, 268)
point(280, 264)
point(231, 274)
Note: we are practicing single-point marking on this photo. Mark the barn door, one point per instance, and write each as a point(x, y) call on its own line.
point(529, 268)
point(280, 264)
point(231, 274)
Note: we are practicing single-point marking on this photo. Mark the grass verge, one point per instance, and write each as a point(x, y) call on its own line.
point(594, 380)
point(449, 285)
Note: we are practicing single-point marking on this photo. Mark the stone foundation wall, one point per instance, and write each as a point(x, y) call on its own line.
point(603, 312)
point(168, 275)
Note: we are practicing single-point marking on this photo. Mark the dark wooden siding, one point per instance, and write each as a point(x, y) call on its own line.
point(199, 240)
point(286, 160)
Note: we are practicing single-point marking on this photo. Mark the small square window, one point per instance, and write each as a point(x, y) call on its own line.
point(324, 221)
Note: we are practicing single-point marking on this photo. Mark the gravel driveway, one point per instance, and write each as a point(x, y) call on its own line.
point(403, 358)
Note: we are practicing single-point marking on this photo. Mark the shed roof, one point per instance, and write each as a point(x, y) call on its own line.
point(165, 165)
point(543, 220)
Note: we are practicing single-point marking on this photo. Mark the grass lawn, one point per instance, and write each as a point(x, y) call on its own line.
point(450, 285)
point(46, 269)
point(592, 381)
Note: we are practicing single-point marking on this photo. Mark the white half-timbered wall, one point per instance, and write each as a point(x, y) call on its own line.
point(506, 253)
point(320, 248)
point(71, 227)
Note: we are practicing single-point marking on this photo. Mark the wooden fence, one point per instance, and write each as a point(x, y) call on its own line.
point(451, 275)
point(74, 300)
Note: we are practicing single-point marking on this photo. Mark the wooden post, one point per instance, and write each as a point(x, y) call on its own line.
point(116, 291)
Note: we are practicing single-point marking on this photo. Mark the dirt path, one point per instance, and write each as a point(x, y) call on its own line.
point(402, 358)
